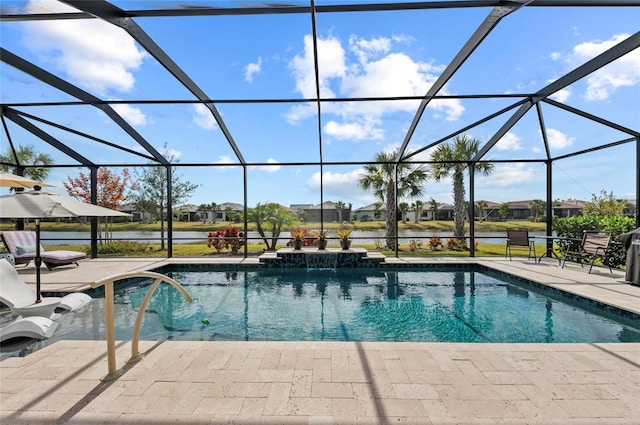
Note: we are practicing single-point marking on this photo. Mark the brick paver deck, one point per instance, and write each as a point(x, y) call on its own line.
point(333, 382)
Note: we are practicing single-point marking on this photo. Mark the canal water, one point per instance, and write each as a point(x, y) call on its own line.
point(359, 237)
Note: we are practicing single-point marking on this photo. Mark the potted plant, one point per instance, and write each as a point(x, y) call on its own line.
point(298, 238)
point(321, 238)
point(344, 235)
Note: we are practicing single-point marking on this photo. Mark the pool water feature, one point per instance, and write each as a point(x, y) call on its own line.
point(459, 304)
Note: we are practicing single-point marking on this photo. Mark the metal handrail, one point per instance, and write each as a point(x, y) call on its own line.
point(109, 310)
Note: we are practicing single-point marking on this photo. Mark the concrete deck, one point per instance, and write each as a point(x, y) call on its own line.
point(331, 382)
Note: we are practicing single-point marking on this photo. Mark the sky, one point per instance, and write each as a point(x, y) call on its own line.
point(360, 54)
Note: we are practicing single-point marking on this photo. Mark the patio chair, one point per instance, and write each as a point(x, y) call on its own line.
point(20, 298)
point(519, 239)
point(593, 246)
point(22, 245)
point(28, 327)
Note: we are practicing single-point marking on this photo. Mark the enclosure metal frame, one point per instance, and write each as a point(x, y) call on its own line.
point(126, 19)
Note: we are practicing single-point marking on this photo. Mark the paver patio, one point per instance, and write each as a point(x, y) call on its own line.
point(333, 382)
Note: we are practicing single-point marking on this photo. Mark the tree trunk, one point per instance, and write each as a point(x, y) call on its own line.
point(458, 206)
point(162, 229)
point(391, 217)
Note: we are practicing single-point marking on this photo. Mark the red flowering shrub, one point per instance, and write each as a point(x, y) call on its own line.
point(229, 238)
point(435, 244)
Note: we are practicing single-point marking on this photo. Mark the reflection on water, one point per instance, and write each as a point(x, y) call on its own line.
point(348, 305)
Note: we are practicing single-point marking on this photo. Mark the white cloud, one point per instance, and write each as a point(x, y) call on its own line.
point(374, 70)
point(509, 142)
point(252, 69)
point(91, 52)
point(343, 186)
point(509, 175)
point(331, 64)
point(203, 117)
point(561, 95)
point(269, 168)
point(133, 116)
point(367, 49)
point(224, 159)
point(171, 153)
point(623, 72)
point(558, 140)
point(353, 131)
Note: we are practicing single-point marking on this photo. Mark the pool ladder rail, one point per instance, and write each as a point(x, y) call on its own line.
point(108, 283)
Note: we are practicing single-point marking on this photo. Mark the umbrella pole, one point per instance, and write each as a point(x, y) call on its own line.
point(38, 261)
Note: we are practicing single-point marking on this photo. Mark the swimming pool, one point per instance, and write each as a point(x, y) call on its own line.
point(454, 304)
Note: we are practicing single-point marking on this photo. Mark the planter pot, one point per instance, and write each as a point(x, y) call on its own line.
point(322, 244)
point(345, 244)
point(297, 244)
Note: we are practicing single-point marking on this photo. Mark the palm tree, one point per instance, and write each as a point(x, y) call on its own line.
point(202, 209)
point(503, 210)
point(418, 205)
point(403, 207)
point(381, 177)
point(537, 206)
point(270, 217)
point(26, 155)
point(463, 149)
point(482, 205)
point(340, 207)
point(214, 208)
point(433, 206)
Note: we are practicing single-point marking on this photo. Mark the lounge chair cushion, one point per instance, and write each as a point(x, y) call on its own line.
point(62, 257)
point(29, 249)
point(22, 244)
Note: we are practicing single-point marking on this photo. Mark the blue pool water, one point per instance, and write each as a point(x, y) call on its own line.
point(454, 304)
point(362, 305)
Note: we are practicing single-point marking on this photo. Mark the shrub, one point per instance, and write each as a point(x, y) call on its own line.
point(455, 244)
point(574, 227)
point(435, 244)
point(231, 238)
point(122, 247)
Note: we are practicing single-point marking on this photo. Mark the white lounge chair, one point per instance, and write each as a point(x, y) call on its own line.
point(20, 297)
point(22, 245)
point(28, 327)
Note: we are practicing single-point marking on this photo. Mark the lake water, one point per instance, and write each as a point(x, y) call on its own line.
point(359, 236)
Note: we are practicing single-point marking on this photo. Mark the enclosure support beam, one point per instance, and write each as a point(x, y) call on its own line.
point(116, 16)
point(472, 218)
point(605, 58)
point(549, 204)
point(637, 182)
point(169, 213)
point(62, 85)
point(94, 220)
point(489, 23)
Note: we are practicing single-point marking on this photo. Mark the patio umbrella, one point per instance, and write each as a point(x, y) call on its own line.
point(36, 204)
point(15, 181)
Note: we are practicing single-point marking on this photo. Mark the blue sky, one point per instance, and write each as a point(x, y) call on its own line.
point(361, 54)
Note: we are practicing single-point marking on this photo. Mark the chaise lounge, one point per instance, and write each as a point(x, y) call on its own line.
point(22, 245)
point(28, 327)
point(21, 298)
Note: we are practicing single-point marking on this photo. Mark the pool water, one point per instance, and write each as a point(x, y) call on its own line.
point(353, 305)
